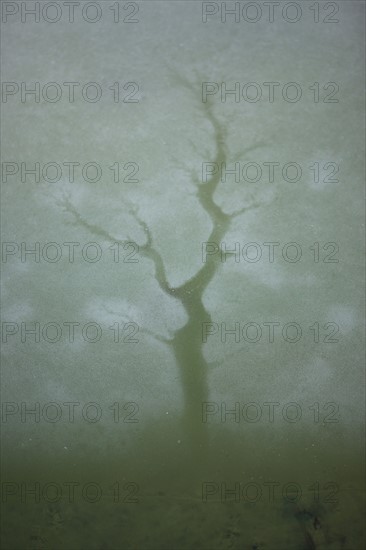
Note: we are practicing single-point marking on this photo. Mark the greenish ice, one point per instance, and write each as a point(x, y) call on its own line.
point(182, 226)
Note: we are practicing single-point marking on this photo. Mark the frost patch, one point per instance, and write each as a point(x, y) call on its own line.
point(18, 312)
point(344, 316)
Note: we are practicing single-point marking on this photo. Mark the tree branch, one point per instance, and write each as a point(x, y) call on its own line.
point(151, 333)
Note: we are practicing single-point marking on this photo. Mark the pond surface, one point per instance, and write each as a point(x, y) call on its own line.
point(182, 275)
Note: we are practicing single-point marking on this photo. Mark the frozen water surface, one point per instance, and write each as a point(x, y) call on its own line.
point(202, 327)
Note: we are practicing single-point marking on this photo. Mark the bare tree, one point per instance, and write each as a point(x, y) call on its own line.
point(186, 343)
